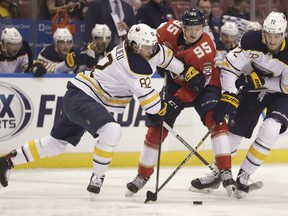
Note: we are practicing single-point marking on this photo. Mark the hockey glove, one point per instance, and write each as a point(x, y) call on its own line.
point(195, 79)
point(38, 69)
point(227, 105)
point(158, 118)
point(73, 59)
point(254, 80)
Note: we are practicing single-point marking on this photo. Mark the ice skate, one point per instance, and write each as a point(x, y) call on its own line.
point(138, 183)
point(6, 165)
point(95, 185)
point(242, 187)
point(206, 184)
point(227, 181)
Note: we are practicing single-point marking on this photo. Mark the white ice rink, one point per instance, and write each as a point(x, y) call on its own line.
point(62, 192)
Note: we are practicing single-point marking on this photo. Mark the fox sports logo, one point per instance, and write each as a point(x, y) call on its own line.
point(15, 111)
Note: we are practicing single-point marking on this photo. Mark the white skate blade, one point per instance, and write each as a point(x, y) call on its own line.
point(239, 194)
point(93, 196)
point(229, 190)
point(255, 186)
point(252, 187)
point(205, 190)
point(129, 193)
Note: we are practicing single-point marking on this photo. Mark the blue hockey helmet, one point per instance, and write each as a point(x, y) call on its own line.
point(193, 16)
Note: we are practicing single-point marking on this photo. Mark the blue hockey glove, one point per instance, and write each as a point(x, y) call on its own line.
point(227, 105)
point(253, 81)
point(195, 79)
point(38, 69)
point(158, 118)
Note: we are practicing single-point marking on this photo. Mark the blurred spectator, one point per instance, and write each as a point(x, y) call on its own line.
point(228, 41)
point(75, 8)
point(59, 57)
point(136, 4)
point(98, 48)
point(240, 9)
point(155, 12)
point(15, 54)
point(238, 13)
point(8, 9)
point(212, 26)
point(99, 12)
point(253, 26)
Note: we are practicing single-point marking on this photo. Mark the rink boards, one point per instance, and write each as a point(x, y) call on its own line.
point(29, 107)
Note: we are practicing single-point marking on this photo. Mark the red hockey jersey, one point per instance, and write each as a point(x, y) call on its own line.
point(199, 55)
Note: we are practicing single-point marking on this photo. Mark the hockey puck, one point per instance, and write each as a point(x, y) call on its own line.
point(197, 202)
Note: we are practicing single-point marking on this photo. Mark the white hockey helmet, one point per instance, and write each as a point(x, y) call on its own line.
point(229, 28)
point(253, 26)
point(142, 34)
point(101, 30)
point(11, 35)
point(62, 34)
point(275, 22)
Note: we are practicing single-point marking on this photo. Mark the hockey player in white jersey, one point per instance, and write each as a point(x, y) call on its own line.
point(227, 42)
point(97, 48)
point(60, 57)
point(14, 52)
point(258, 66)
point(92, 95)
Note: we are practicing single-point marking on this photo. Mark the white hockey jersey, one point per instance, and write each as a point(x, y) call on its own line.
point(15, 64)
point(253, 51)
point(122, 74)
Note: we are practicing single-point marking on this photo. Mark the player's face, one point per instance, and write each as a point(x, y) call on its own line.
point(229, 40)
point(206, 8)
point(193, 33)
point(13, 48)
point(101, 44)
point(273, 41)
point(147, 51)
point(64, 47)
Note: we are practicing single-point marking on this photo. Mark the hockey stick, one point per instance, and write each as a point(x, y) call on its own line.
point(148, 197)
point(153, 196)
point(189, 146)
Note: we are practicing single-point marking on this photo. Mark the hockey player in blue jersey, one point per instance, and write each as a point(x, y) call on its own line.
point(92, 95)
point(259, 67)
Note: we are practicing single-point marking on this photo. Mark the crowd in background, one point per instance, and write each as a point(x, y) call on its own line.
point(129, 12)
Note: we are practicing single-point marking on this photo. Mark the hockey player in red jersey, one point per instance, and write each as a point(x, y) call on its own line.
point(200, 88)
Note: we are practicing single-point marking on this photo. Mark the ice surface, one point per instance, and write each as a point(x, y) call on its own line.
point(62, 192)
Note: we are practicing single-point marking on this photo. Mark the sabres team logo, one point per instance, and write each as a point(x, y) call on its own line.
point(15, 111)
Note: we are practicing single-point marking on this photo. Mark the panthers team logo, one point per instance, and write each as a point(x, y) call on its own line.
point(15, 111)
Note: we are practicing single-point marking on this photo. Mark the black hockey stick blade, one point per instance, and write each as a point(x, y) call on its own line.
point(150, 196)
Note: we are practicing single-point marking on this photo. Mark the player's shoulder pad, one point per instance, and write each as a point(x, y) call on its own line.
point(21, 52)
point(50, 53)
point(252, 40)
point(283, 53)
point(137, 64)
